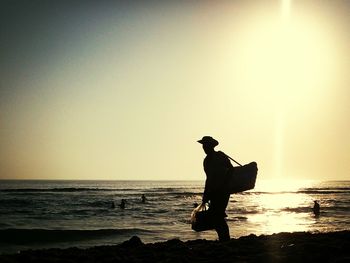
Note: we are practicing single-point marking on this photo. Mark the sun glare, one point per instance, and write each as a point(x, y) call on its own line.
point(287, 63)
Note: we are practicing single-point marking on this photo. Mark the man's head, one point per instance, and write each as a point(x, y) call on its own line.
point(208, 143)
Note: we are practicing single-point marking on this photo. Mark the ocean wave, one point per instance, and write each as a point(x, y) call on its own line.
point(68, 189)
point(245, 211)
point(237, 218)
point(16, 202)
point(27, 236)
point(325, 191)
point(151, 191)
point(301, 191)
point(305, 209)
point(328, 188)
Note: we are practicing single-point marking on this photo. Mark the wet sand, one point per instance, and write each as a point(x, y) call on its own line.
point(282, 247)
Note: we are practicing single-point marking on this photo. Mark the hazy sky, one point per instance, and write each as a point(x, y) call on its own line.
point(124, 89)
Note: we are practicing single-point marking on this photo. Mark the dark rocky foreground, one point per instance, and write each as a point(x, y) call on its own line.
point(282, 247)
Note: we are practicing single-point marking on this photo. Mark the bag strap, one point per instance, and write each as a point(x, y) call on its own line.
point(233, 160)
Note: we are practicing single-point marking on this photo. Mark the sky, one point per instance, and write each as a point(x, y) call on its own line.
point(122, 90)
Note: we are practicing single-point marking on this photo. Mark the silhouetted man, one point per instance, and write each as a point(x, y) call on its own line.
point(216, 166)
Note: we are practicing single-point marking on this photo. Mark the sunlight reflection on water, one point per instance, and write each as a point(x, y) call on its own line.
point(276, 208)
point(282, 185)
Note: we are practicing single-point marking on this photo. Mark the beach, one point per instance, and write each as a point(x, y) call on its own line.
point(281, 247)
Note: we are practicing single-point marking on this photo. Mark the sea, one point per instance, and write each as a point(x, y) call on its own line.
point(36, 214)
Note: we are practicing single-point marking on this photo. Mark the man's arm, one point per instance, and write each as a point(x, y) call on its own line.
point(205, 197)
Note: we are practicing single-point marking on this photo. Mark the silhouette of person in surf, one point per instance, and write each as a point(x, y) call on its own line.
point(122, 204)
point(112, 205)
point(216, 166)
point(143, 198)
point(316, 208)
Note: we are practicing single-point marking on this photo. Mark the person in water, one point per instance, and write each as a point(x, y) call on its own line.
point(216, 166)
point(122, 204)
point(143, 198)
point(316, 208)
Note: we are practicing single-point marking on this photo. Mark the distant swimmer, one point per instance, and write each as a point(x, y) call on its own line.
point(316, 208)
point(143, 198)
point(122, 204)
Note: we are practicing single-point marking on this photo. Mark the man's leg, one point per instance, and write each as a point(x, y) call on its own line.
point(223, 230)
point(218, 206)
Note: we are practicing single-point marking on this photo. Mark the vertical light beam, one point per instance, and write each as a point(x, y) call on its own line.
point(285, 9)
point(280, 113)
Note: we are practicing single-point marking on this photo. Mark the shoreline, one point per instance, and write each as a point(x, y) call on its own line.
point(281, 247)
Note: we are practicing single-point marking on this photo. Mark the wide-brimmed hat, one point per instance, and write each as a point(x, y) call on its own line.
point(208, 140)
